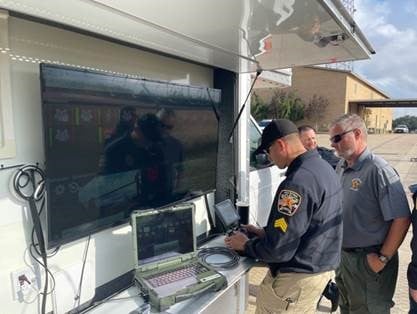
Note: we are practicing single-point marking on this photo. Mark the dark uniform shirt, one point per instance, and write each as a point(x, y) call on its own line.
point(412, 267)
point(329, 156)
point(304, 229)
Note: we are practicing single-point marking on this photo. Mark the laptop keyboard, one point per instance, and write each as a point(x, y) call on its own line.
point(177, 274)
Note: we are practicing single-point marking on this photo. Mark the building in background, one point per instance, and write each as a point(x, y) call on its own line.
point(342, 89)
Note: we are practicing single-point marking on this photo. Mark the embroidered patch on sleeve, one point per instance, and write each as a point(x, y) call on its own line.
point(288, 202)
point(281, 224)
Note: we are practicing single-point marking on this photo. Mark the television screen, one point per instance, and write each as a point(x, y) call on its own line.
point(114, 144)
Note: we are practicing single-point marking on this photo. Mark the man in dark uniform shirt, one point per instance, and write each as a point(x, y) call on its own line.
point(309, 139)
point(412, 267)
point(302, 240)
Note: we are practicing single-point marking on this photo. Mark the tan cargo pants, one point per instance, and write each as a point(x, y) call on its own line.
point(291, 292)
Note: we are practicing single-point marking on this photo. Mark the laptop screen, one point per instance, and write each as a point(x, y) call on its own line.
point(164, 233)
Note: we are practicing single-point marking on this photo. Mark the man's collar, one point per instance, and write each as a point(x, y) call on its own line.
point(360, 161)
point(295, 164)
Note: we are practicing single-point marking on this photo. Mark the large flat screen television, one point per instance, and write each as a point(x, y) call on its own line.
point(114, 144)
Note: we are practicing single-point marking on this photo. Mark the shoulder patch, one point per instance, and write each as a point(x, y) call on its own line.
point(288, 202)
point(281, 224)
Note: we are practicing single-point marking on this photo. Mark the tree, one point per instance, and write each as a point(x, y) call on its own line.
point(286, 105)
point(259, 109)
point(315, 109)
point(366, 114)
point(409, 121)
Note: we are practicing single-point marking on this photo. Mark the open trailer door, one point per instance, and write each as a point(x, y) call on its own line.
point(265, 34)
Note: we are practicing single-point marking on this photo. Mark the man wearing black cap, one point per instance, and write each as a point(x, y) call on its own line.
point(301, 242)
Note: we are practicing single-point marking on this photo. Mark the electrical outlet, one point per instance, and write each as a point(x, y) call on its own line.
point(24, 282)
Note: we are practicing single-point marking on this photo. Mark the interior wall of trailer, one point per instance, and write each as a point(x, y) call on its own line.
point(110, 254)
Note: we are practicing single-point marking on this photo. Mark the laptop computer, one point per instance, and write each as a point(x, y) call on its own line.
point(167, 269)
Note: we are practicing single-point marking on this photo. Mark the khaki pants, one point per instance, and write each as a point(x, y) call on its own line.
point(291, 292)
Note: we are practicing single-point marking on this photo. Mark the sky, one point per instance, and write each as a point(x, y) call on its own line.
point(391, 28)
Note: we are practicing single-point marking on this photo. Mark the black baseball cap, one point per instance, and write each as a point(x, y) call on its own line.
point(275, 129)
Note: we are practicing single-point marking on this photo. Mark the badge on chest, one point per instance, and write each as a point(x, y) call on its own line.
point(356, 183)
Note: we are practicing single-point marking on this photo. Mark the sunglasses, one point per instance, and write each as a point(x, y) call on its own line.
point(338, 137)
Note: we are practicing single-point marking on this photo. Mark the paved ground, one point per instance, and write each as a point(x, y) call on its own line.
point(397, 149)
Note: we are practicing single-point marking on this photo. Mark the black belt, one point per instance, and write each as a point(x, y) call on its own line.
point(366, 249)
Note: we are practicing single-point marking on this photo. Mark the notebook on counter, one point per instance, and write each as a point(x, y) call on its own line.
point(167, 269)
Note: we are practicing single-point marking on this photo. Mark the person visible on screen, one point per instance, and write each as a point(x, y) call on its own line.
point(126, 124)
point(376, 217)
point(309, 139)
point(301, 242)
point(172, 148)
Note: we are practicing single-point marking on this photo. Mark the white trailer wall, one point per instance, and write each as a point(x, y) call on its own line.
point(110, 253)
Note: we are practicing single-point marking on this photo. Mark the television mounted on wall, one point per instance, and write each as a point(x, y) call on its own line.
point(114, 144)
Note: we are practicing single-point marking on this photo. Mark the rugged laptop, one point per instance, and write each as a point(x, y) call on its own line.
point(167, 269)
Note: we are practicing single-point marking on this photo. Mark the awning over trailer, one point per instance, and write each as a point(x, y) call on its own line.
point(237, 35)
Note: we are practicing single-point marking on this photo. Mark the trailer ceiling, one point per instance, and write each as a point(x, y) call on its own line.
point(237, 35)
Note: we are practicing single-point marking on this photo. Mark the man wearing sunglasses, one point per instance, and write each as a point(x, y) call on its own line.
point(376, 217)
point(301, 242)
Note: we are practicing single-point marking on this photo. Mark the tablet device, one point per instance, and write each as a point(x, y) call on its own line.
point(227, 214)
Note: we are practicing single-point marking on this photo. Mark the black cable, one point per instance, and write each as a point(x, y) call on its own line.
point(35, 244)
point(40, 263)
point(78, 296)
point(205, 253)
point(259, 72)
point(29, 184)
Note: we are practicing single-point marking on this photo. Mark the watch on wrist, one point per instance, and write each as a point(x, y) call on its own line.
point(383, 258)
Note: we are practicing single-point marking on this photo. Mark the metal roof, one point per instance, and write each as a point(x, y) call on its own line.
point(386, 103)
point(237, 35)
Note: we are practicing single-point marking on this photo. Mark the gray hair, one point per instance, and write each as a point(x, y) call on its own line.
point(351, 121)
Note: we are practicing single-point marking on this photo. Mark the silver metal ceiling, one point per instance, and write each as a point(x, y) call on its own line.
point(238, 35)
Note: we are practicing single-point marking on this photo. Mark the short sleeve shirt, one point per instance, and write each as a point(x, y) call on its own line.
point(372, 197)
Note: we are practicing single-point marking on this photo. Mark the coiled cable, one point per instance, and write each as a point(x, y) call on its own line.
point(233, 258)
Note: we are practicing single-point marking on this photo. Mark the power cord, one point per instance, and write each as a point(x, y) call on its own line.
point(205, 253)
point(29, 185)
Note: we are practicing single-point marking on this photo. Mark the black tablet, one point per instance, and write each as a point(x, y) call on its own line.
point(227, 214)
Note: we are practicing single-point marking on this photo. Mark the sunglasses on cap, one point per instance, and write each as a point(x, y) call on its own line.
point(338, 137)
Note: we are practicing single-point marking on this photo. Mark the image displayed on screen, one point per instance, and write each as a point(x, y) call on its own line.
point(164, 235)
point(227, 214)
point(116, 144)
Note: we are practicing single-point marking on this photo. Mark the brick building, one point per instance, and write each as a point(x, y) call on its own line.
point(340, 88)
